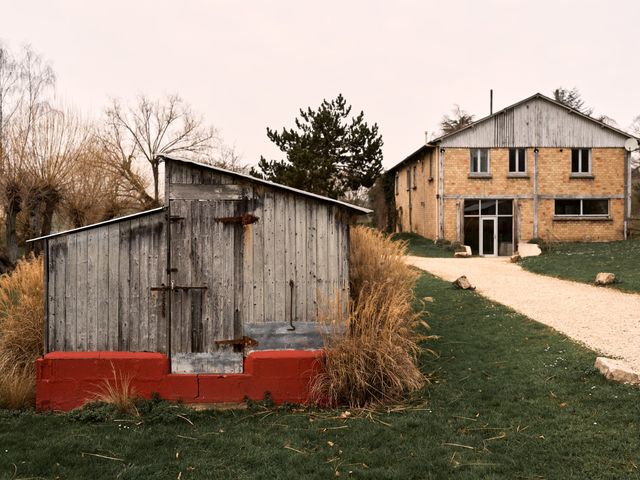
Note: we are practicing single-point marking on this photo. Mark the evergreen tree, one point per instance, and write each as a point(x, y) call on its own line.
point(328, 152)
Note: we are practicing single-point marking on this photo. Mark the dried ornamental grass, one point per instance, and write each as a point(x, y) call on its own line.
point(373, 357)
point(120, 392)
point(21, 325)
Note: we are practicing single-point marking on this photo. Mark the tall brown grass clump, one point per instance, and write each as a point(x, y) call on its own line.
point(373, 357)
point(21, 320)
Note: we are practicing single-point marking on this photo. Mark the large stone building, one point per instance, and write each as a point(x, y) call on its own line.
point(535, 170)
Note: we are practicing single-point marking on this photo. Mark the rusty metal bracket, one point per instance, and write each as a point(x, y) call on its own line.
point(243, 342)
point(246, 219)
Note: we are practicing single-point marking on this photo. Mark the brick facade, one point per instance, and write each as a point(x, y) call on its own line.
point(554, 181)
point(422, 193)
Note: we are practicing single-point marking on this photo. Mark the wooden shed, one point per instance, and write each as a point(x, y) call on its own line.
point(229, 263)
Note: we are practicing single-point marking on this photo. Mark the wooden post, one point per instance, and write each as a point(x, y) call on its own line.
point(45, 350)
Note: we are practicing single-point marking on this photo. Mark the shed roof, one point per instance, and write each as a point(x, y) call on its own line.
point(353, 208)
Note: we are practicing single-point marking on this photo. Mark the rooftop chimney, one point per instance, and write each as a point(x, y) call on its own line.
point(491, 102)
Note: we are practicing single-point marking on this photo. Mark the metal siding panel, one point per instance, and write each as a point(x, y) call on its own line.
point(537, 123)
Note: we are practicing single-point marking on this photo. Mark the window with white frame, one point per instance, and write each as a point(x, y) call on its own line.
point(581, 207)
point(415, 176)
point(517, 160)
point(580, 161)
point(479, 161)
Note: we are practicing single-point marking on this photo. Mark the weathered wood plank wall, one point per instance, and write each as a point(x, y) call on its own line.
point(295, 257)
point(284, 268)
point(98, 284)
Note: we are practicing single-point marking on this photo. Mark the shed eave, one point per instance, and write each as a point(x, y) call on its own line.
point(354, 208)
point(100, 224)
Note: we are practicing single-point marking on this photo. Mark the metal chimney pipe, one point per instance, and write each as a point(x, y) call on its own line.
point(491, 102)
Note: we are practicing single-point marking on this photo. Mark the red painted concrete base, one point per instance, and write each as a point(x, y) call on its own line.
point(67, 380)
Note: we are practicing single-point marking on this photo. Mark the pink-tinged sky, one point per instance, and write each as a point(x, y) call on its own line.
point(246, 65)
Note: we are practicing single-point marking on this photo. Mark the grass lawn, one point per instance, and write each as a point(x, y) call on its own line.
point(421, 246)
point(582, 261)
point(509, 399)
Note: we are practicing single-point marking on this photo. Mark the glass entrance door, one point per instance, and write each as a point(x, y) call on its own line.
point(488, 236)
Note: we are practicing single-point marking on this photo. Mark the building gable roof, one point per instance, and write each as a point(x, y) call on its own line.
point(489, 131)
point(522, 102)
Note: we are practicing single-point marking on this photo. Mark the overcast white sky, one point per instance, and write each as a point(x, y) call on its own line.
point(246, 65)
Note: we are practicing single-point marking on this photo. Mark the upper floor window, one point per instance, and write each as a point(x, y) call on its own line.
point(430, 167)
point(479, 161)
point(415, 176)
point(579, 207)
point(580, 161)
point(517, 160)
point(397, 184)
point(408, 178)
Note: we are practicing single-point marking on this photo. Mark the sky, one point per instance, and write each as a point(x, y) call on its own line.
point(248, 65)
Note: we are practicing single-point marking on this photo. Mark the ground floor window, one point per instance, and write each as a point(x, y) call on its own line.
point(581, 207)
point(488, 226)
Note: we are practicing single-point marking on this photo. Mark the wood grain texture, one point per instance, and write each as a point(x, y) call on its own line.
point(100, 279)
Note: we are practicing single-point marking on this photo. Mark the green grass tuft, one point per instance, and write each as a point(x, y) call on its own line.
point(420, 246)
point(581, 262)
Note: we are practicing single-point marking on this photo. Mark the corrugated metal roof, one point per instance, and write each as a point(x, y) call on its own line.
point(359, 210)
point(94, 225)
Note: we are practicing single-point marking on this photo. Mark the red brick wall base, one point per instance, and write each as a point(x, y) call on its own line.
point(67, 380)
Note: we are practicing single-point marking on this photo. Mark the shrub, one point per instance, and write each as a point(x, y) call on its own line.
point(21, 325)
point(371, 357)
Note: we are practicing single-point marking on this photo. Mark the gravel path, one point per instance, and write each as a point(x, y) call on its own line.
point(606, 320)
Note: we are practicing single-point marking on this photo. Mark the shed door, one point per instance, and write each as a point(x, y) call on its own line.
point(206, 263)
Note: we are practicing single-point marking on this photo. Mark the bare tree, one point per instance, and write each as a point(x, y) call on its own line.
point(95, 192)
point(58, 142)
point(26, 86)
point(457, 121)
point(141, 133)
